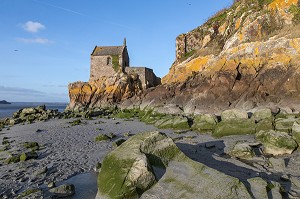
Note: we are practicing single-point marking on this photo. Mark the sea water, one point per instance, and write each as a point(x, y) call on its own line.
point(6, 110)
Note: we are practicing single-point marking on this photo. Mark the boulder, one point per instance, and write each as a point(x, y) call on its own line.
point(262, 114)
point(276, 142)
point(234, 127)
point(28, 111)
point(233, 114)
point(265, 124)
point(204, 123)
point(64, 190)
point(242, 151)
point(285, 124)
point(173, 122)
point(127, 172)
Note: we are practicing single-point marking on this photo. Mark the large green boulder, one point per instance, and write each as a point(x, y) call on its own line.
point(233, 114)
point(125, 172)
point(173, 122)
point(128, 172)
point(204, 123)
point(262, 114)
point(234, 127)
point(265, 124)
point(276, 142)
point(285, 124)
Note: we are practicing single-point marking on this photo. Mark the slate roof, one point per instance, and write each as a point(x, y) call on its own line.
point(107, 50)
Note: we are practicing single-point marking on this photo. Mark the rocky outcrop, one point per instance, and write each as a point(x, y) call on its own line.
point(243, 57)
point(104, 92)
point(29, 115)
point(127, 172)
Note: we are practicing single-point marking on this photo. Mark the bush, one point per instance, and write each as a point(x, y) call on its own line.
point(102, 137)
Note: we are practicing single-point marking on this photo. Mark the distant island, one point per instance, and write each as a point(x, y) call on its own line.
point(4, 102)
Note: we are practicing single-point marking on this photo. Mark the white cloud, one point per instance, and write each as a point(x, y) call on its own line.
point(35, 40)
point(33, 27)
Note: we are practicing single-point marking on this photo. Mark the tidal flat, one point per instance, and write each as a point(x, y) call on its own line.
point(68, 148)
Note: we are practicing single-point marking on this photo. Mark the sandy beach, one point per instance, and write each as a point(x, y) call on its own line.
point(68, 151)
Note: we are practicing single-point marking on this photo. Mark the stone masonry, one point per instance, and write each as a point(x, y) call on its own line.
point(109, 60)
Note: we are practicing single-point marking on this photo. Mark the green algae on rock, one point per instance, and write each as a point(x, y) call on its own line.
point(276, 142)
point(127, 172)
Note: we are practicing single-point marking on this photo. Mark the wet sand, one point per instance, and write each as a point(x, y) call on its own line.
point(67, 151)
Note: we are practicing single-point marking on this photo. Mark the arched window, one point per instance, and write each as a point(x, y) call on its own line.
point(108, 61)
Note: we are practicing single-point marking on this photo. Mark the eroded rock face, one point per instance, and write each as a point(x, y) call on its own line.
point(103, 92)
point(231, 61)
point(127, 172)
point(243, 57)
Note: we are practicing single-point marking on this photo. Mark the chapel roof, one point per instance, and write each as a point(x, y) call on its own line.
point(107, 50)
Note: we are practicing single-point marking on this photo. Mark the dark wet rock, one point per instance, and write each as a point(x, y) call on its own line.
point(64, 190)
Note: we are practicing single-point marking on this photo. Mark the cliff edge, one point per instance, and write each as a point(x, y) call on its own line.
point(244, 56)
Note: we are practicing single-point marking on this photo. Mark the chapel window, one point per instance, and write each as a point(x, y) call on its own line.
point(108, 61)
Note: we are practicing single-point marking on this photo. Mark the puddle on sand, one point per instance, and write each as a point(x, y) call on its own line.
point(85, 185)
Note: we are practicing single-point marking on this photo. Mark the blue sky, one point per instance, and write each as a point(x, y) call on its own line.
point(46, 44)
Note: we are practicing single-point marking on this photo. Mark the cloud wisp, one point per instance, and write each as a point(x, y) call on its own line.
point(35, 40)
point(61, 8)
point(33, 27)
point(24, 94)
point(19, 91)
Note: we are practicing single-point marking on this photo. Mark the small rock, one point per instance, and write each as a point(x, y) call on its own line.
point(210, 145)
point(64, 190)
point(51, 184)
point(97, 167)
point(243, 151)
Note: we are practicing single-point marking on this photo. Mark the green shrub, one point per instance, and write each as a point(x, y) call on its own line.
point(28, 192)
point(115, 62)
point(102, 137)
point(75, 122)
point(31, 145)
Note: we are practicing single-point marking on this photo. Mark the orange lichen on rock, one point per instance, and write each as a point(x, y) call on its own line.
point(282, 4)
point(238, 23)
point(223, 28)
point(182, 72)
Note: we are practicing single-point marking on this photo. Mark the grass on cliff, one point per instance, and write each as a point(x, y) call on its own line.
point(295, 10)
point(115, 62)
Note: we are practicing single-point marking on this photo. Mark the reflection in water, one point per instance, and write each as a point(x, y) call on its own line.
point(85, 185)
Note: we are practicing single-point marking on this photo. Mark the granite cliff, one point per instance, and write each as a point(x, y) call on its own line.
point(244, 56)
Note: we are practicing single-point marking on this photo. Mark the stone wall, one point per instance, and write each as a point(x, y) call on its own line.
point(146, 75)
point(99, 67)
